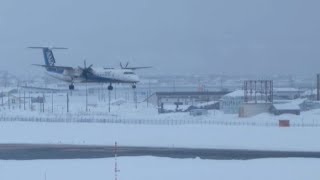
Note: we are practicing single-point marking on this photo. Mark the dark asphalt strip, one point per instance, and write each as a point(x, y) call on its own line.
point(64, 151)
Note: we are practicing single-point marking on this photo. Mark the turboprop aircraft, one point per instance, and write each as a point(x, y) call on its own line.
point(89, 74)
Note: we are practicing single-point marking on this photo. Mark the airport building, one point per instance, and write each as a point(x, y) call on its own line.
point(184, 98)
point(288, 108)
point(231, 102)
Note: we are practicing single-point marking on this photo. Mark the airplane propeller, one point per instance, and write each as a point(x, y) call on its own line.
point(86, 70)
point(124, 67)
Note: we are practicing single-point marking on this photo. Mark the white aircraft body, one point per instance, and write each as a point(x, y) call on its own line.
point(87, 74)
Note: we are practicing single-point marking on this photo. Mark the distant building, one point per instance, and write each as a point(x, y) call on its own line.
point(231, 102)
point(292, 107)
point(11, 100)
point(184, 98)
point(279, 109)
point(311, 94)
point(286, 93)
point(8, 90)
point(309, 105)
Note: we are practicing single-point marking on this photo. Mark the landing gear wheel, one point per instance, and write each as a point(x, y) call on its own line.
point(110, 87)
point(134, 86)
point(71, 87)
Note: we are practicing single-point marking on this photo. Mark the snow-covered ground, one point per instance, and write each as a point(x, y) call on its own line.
point(138, 168)
point(215, 130)
point(98, 111)
point(127, 111)
point(195, 136)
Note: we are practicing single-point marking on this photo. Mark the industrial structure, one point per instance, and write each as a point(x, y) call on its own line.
point(257, 91)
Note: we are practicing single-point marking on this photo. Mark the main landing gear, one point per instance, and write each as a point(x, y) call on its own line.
point(71, 87)
point(110, 87)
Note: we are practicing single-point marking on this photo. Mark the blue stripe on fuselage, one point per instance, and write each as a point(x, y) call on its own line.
point(55, 70)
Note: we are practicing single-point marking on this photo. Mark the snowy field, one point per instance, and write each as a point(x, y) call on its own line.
point(143, 114)
point(142, 126)
point(139, 168)
point(124, 110)
point(193, 136)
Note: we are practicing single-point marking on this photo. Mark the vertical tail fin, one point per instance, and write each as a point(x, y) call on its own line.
point(48, 54)
point(48, 57)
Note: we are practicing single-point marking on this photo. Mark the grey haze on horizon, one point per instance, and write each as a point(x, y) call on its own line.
point(174, 36)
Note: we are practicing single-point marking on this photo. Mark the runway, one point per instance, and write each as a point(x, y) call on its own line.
point(68, 151)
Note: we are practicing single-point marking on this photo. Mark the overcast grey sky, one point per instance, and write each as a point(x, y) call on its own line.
point(183, 36)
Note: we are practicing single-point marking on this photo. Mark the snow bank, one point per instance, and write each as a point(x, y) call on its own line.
point(137, 168)
point(192, 136)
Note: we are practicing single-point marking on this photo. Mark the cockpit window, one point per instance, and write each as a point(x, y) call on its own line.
point(128, 72)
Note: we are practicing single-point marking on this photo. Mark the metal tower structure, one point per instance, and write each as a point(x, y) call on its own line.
point(256, 91)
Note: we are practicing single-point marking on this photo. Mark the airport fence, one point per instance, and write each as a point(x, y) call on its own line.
point(168, 122)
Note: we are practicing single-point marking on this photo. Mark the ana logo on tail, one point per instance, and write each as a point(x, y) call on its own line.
point(49, 57)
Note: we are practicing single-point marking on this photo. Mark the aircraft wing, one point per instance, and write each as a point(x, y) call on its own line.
point(136, 68)
point(57, 67)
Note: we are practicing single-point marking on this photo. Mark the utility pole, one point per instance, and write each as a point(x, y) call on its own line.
point(135, 98)
point(40, 104)
point(115, 92)
point(116, 170)
point(67, 102)
point(103, 94)
point(147, 99)
point(24, 100)
point(19, 99)
point(43, 99)
point(52, 101)
point(148, 93)
point(109, 94)
point(8, 101)
point(86, 96)
point(99, 96)
point(30, 101)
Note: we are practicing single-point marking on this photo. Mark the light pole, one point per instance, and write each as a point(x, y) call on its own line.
point(109, 99)
point(52, 101)
point(24, 100)
point(67, 102)
point(86, 96)
point(43, 98)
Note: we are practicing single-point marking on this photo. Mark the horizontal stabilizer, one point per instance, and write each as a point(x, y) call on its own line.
point(57, 67)
point(43, 47)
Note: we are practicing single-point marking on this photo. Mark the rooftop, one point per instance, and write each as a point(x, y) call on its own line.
point(289, 89)
point(192, 93)
point(237, 93)
point(293, 105)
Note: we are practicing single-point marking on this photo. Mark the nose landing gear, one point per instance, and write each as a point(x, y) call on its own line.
point(134, 86)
